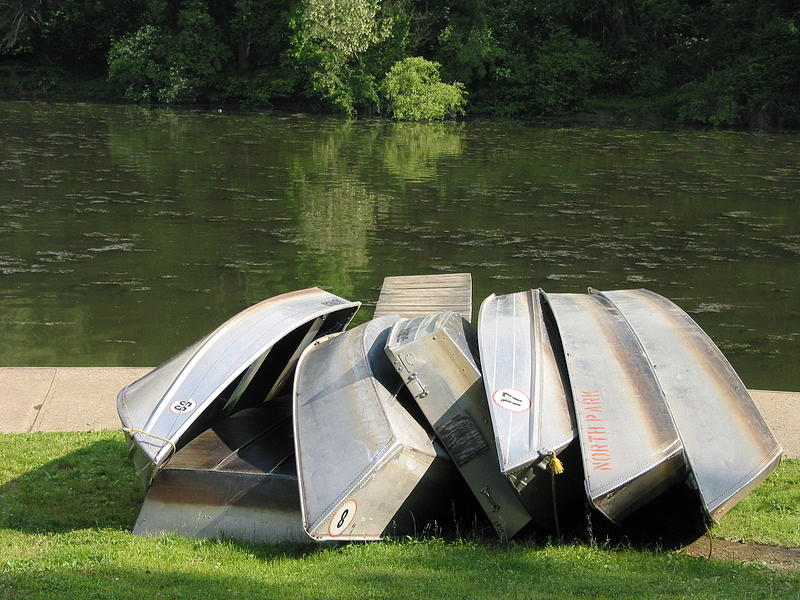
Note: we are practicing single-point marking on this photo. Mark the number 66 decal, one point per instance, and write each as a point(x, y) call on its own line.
point(343, 517)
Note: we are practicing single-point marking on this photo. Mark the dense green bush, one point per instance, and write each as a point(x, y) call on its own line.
point(199, 54)
point(156, 64)
point(564, 71)
point(16, 80)
point(758, 89)
point(710, 102)
point(259, 89)
point(558, 76)
point(414, 92)
point(138, 65)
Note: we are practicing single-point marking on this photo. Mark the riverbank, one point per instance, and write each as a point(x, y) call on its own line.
point(53, 84)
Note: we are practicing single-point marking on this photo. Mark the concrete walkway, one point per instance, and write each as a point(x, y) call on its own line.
point(84, 398)
point(62, 398)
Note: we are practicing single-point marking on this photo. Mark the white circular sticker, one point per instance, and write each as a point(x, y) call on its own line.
point(182, 407)
point(511, 399)
point(343, 517)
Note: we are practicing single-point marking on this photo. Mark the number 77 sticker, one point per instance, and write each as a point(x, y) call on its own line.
point(511, 400)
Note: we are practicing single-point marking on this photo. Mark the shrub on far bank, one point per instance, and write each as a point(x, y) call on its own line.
point(413, 91)
point(156, 64)
point(137, 66)
point(557, 76)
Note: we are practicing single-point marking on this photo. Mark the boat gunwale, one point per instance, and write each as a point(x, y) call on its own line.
point(167, 448)
point(388, 450)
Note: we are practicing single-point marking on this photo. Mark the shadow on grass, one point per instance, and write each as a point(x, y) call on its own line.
point(93, 486)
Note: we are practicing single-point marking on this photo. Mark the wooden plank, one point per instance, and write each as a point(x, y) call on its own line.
point(418, 295)
point(429, 293)
point(429, 303)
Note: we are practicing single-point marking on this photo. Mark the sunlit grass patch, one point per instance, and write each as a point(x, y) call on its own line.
point(103, 563)
point(68, 500)
point(771, 513)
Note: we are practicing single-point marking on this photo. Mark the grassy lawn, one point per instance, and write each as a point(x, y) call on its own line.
point(67, 502)
point(771, 513)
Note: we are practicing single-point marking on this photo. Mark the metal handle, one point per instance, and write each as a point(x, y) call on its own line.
point(485, 492)
point(415, 386)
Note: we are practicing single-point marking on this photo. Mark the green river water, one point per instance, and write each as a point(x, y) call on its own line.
point(128, 233)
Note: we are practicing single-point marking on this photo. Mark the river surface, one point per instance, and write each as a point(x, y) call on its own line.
point(127, 233)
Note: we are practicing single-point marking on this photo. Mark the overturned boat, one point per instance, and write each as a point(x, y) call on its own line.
point(277, 426)
point(366, 466)
point(243, 363)
point(629, 443)
point(437, 358)
point(728, 445)
point(529, 402)
point(236, 480)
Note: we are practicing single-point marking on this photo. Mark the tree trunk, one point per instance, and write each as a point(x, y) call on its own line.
point(244, 53)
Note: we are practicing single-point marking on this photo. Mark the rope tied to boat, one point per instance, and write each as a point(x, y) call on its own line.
point(710, 542)
point(556, 467)
point(152, 435)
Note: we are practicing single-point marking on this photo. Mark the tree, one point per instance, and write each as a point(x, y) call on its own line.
point(160, 64)
point(17, 17)
point(331, 37)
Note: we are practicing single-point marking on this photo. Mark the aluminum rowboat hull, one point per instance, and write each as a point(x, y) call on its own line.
point(630, 446)
point(527, 396)
point(729, 447)
point(236, 480)
point(437, 358)
point(242, 363)
point(364, 463)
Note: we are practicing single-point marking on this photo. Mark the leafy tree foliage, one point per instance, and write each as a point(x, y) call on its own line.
point(414, 92)
point(16, 20)
point(74, 31)
point(713, 63)
point(157, 64)
point(138, 64)
point(330, 41)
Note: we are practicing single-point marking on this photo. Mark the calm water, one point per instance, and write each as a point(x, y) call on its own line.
point(127, 233)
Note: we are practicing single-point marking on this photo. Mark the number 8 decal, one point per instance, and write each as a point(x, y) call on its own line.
point(343, 517)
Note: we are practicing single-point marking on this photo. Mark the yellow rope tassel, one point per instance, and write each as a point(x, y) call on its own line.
point(556, 466)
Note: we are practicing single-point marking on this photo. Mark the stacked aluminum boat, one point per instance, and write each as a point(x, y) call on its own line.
point(281, 425)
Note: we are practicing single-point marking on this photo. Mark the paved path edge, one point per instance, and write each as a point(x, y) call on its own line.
point(84, 399)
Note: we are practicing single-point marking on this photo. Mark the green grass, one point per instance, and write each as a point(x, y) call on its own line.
point(771, 513)
point(67, 502)
point(111, 563)
point(54, 482)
